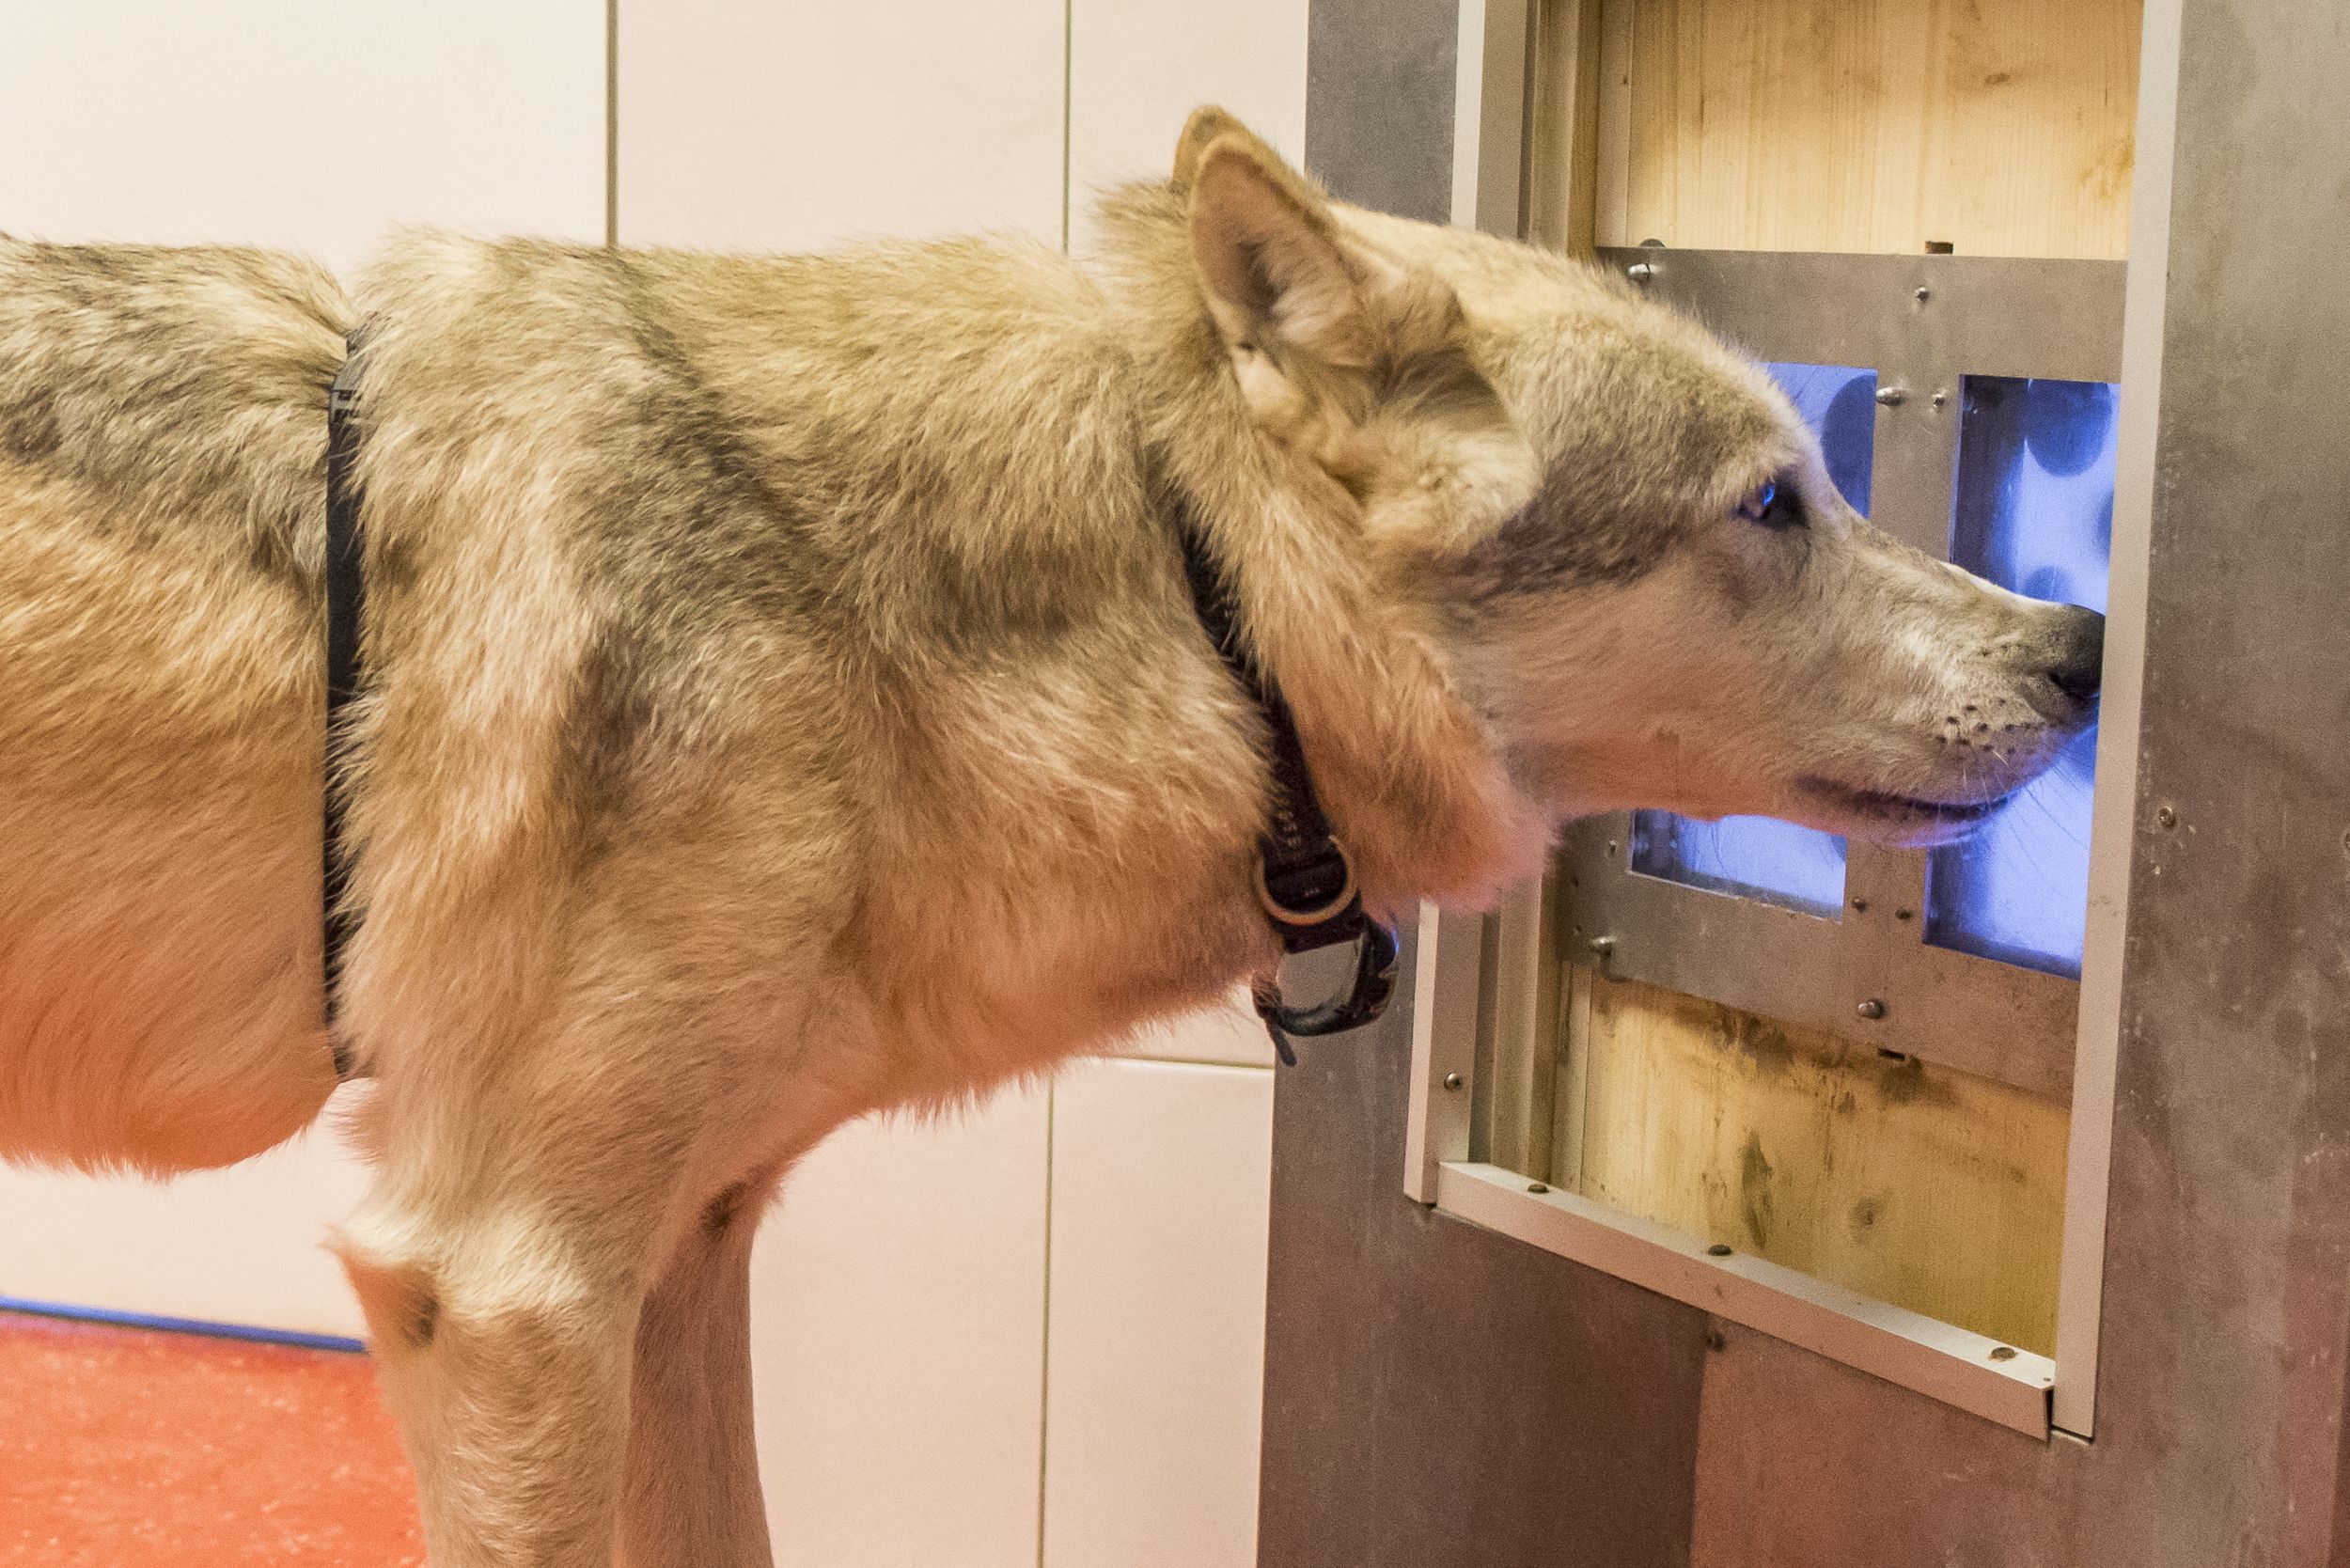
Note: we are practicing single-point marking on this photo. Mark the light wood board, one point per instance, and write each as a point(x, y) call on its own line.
point(2001, 127)
point(1929, 1188)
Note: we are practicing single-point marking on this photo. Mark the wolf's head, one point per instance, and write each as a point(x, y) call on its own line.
point(1619, 533)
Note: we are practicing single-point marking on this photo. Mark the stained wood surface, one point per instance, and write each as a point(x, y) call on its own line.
point(1910, 1182)
point(2003, 127)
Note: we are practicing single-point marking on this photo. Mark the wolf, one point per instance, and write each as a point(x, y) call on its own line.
point(783, 701)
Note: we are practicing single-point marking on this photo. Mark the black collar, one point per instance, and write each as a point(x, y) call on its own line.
point(1305, 880)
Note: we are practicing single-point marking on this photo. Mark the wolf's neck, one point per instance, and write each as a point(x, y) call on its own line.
point(1413, 780)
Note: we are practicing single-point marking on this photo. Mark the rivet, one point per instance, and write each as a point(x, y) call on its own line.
point(1603, 945)
point(1536, 1188)
point(1719, 1250)
point(1904, 914)
point(1924, 293)
point(2005, 1352)
point(2166, 818)
point(1870, 1008)
point(1452, 1080)
point(1640, 272)
point(1860, 903)
point(1892, 397)
point(1940, 397)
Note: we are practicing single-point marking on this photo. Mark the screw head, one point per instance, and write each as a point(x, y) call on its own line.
point(1870, 1008)
point(1892, 397)
point(1536, 1188)
point(2165, 817)
point(1452, 1080)
point(2005, 1352)
point(1640, 272)
point(1924, 293)
point(1719, 1250)
point(1940, 397)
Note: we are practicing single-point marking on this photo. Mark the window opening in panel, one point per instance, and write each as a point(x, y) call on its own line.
point(2033, 511)
point(1760, 857)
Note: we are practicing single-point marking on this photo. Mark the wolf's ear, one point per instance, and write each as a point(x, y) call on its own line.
point(1206, 124)
point(1275, 271)
point(1356, 360)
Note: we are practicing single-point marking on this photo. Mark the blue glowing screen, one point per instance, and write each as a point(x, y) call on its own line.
point(2033, 511)
point(1760, 857)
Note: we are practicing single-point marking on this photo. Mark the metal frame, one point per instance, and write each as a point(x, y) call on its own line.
point(1922, 322)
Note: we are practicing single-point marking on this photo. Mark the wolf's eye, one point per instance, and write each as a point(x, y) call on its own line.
point(1770, 507)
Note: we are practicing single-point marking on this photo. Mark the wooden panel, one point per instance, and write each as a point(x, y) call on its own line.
point(1562, 128)
point(2003, 127)
point(1910, 1182)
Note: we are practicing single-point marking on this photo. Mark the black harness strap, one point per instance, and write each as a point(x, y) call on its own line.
point(346, 603)
point(1305, 880)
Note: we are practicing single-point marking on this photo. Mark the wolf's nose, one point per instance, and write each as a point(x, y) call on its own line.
point(2079, 665)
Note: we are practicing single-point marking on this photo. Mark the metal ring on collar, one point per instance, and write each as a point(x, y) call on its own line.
point(1314, 917)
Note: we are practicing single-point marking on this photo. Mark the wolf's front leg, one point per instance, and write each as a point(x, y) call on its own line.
point(692, 1497)
point(504, 1344)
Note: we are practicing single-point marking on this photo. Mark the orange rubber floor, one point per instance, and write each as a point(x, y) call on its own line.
point(125, 1448)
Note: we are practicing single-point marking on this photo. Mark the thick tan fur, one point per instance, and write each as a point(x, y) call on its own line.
point(785, 702)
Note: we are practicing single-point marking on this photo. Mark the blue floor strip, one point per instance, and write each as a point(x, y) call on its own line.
point(181, 1326)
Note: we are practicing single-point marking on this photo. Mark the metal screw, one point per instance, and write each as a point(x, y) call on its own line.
point(1640, 272)
point(2005, 1352)
point(1904, 914)
point(1924, 293)
point(1719, 1250)
point(1892, 397)
point(1862, 904)
point(1452, 1080)
point(1940, 397)
point(2166, 818)
point(1536, 1188)
point(1871, 1008)
point(1603, 945)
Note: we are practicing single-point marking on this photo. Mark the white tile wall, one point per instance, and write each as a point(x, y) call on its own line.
point(899, 1343)
point(1230, 1033)
point(237, 1245)
point(766, 125)
point(309, 123)
point(1137, 71)
point(1158, 1273)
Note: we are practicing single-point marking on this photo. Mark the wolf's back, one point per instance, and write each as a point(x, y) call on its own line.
point(172, 388)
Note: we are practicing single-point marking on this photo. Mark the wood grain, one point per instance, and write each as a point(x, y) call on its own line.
point(1910, 1182)
point(2003, 127)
